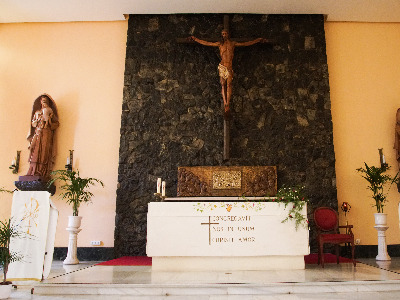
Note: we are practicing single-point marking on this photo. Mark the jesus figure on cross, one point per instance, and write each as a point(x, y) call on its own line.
point(226, 50)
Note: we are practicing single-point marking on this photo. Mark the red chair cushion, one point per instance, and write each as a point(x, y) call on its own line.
point(335, 238)
point(326, 219)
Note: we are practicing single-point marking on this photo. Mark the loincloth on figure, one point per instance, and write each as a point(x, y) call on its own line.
point(224, 72)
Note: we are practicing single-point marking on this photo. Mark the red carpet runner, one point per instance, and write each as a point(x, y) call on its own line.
point(146, 261)
point(128, 261)
point(312, 259)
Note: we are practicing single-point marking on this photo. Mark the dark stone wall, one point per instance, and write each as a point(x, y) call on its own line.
point(172, 109)
point(86, 253)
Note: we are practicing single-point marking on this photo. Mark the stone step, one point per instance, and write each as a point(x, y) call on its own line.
point(216, 289)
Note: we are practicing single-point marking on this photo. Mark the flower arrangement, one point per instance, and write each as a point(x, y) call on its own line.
point(377, 181)
point(295, 198)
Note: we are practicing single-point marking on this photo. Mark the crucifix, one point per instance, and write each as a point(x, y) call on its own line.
point(226, 50)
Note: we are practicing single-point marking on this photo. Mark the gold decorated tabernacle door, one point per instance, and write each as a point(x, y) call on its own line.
point(217, 181)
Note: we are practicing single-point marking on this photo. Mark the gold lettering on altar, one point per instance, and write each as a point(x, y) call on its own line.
point(242, 228)
point(247, 240)
point(230, 229)
point(222, 240)
point(231, 218)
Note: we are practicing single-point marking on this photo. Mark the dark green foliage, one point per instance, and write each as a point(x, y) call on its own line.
point(74, 188)
point(296, 199)
point(7, 232)
point(377, 181)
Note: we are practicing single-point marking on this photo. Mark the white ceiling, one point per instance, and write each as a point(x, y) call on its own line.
point(12, 11)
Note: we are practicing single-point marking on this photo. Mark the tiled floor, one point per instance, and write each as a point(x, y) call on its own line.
point(369, 280)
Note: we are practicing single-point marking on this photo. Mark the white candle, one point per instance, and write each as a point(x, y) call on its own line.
point(163, 188)
point(158, 185)
point(68, 160)
point(13, 162)
point(383, 159)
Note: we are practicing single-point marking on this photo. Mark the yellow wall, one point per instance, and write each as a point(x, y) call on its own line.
point(364, 76)
point(81, 66)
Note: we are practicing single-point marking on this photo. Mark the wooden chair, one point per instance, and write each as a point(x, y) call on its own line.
point(327, 222)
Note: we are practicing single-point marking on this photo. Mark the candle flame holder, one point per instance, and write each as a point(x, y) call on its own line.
point(71, 159)
point(15, 163)
point(384, 165)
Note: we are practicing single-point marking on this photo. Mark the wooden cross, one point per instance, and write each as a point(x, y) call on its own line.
point(209, 228)
point(226, 48)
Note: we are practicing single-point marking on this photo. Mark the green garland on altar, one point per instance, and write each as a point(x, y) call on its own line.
point(295, 198)
point(292, 197)
point(209, 206)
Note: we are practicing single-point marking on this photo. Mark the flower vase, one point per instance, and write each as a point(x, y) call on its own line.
point(74, 222)
point(381, 227)
point(5, 291)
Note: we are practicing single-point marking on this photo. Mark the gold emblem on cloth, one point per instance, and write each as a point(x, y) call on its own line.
point(31, 214)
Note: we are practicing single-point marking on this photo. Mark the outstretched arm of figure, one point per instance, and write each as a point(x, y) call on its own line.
point(205, 43)
point(249, 43)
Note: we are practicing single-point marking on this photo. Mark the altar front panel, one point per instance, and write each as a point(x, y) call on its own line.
point(223, 229)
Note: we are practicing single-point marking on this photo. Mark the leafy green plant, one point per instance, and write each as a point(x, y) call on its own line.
point(377, 181)
point(8, 231)
point(75, 188)
point(295, 198)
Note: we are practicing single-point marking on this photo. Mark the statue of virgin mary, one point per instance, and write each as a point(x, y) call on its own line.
point(44, 122)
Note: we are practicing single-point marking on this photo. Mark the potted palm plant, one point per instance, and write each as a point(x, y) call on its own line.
point(75, 190)
point(7, 232)
point(377, 182)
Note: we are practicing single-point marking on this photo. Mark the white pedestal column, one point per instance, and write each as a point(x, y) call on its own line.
point(381, 227)
point(74, 222)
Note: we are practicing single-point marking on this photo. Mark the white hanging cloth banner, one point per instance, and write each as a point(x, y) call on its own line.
point(37, 217)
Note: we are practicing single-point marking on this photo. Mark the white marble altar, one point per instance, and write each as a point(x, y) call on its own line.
point(223, 235)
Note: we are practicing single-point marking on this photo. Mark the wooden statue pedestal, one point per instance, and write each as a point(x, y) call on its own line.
point(34, 183)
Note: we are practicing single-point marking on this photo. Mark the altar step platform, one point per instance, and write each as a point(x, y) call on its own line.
point(89, 280)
